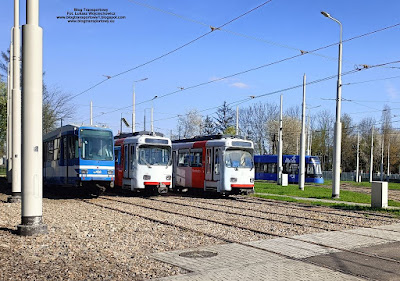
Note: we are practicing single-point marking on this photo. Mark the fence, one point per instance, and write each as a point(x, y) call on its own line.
point(351, 176)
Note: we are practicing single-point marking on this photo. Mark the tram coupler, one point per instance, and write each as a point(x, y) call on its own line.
point(162, 189)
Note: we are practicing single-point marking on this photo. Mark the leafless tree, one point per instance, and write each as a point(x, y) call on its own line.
point(190, 124)
point(253, 123)
point(56, 104)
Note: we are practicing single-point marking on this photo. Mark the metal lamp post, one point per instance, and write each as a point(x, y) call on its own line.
point(338, 125)
point(134, 104)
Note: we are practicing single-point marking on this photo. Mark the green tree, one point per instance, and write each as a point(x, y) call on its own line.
point(208, 126)
point(231, 130)
point(225, 117)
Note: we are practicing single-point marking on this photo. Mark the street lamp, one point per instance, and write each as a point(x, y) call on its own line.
point(133, 104)
point(338, 125)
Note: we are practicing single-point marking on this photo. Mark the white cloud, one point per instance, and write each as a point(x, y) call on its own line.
point(392, 91)
point(240, 85)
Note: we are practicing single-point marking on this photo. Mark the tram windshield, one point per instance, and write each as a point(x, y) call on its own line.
point(238, 159)
point(154, 155)
point(313, 169)
point(96, 145)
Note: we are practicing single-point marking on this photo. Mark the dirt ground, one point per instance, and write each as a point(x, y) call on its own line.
point(394, 194)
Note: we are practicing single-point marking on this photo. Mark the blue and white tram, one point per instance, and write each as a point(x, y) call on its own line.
point(80, 156)
point(266, 168)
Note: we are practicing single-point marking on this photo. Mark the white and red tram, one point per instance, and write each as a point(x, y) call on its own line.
point(218, 163)
point(143, 162)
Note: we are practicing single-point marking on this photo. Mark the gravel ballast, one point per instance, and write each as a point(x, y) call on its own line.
point(109, 238)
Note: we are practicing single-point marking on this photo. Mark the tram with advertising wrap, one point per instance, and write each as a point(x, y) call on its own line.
point(214, 163)
point(79, 156)
point(143, 162)
point(267, 165)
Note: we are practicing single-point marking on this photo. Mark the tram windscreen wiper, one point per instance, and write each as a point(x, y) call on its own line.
point(144, 160)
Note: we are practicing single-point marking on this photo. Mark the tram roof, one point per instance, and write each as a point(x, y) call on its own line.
point(208, 137)
point(69, 128)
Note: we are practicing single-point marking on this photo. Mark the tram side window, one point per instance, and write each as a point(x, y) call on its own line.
point(64, 146)
point(209, 163)
point(126, 158)
point(183, 159)
point(270, 168)
point(217, 162)
point(72, 147)
point(57, 150)
point(50, 150)
point(309, 169)
point(117, 156)
point(132, 155)
point(196, 159)
point(291, 168)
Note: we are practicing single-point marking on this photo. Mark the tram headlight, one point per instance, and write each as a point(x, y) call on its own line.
point(168, 178)
point(146, 177)
point(83, 171)
point(233, 179)
point(110, 172)
point(251, 179)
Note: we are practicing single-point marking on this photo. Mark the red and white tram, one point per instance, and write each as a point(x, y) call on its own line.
point(217, 163)
point(143, 162)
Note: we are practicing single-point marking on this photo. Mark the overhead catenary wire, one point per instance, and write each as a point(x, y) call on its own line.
point(172, 51)
point(219, 27)
point(185, 18)
point(261, 95)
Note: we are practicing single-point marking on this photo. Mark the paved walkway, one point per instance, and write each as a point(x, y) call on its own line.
point(288, 259)
point(326, 200)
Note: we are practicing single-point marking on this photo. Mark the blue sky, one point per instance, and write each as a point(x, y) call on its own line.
point(77, 56)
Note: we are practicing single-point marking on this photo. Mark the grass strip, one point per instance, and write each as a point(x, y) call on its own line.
point(317, 192)
point(340, 206)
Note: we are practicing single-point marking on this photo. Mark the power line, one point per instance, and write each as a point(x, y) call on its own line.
point(253, 97)
point(217, 28)
point(368, 81)
point(288, 89)
point(172, 51)
point(236, 33)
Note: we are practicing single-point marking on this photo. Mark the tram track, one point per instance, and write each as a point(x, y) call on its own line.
point(246, 215)
point(272, 212)
point(227, 240)
point(307, 207)
point(239, 214)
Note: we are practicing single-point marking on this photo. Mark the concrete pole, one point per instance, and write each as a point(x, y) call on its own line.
point(388, 161)
point(120, 124)
point(8, 119)
point(303, 140)
point(32, 164)
point(9, 113)
point(308, 136)
point(16, 122)
point(280, 144)
point(358, 157)
point(91, 113)
point(237, 120)
point(382, 142)
point(371, 165)
point(152, 119)
point(133, 110)
point(144, 120)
